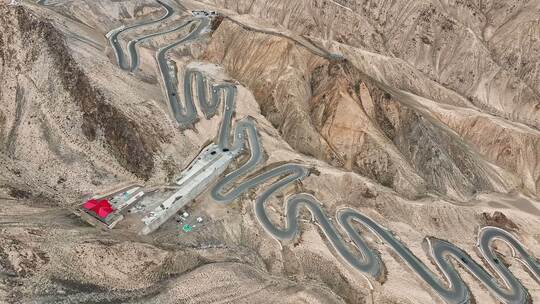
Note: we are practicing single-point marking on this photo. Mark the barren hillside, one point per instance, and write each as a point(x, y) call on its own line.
point(419, 120)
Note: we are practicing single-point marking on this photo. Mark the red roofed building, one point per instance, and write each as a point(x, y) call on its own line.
point(101, 209)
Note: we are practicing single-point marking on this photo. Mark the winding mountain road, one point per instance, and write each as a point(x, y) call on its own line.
point(132, 44)
point(185, 114)
point(452, 289)
point(115, 44)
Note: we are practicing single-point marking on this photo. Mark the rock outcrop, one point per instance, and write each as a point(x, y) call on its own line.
point(423, 115)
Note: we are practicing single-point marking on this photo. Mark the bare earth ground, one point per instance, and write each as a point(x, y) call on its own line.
point(430, 125)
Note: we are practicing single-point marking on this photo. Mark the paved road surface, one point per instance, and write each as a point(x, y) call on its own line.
point(185, 114)
point(115, 44)
point(366, 260)
point(132, 44)
point(451, 288)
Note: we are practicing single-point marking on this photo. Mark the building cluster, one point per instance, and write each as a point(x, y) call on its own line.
point(153, 207)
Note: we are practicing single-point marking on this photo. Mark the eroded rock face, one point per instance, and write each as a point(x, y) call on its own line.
point(35, 52)
point(424, 122)
point(340, 115)
point(309, 99)
point(458, 59)
point(498, 219)
point(464, 47)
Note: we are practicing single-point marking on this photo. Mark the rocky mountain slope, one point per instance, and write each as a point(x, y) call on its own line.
point(424, 115)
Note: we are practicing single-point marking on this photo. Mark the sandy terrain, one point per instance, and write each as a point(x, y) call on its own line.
point(427, 121)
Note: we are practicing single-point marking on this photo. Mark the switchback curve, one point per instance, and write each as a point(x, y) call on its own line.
point(451, 288)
